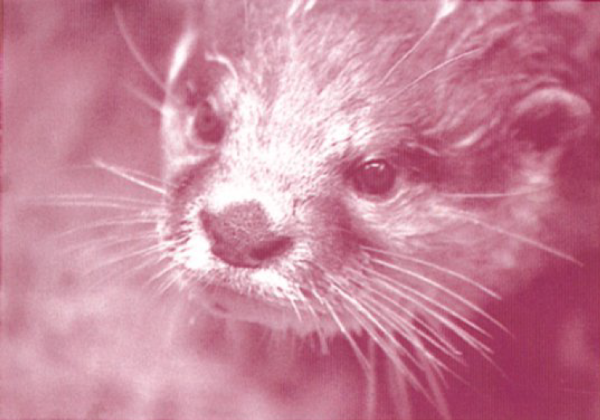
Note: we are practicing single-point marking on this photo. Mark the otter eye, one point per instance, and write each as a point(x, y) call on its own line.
point(375, 177)
point(208, 126)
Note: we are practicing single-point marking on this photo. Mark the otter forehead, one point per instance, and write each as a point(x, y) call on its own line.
point(332, 77)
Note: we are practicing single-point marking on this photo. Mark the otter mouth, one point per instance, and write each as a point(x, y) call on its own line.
point(225, 302)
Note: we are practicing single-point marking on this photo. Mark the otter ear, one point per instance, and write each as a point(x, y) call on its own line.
point(550, 117)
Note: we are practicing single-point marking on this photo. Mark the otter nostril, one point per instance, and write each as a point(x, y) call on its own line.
point(241, 235)
point(270, 248)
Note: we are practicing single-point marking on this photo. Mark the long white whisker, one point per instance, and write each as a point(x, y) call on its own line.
point(410, 51)
point(444, 347)
point(125, 174)
point(173, 280)
point(434, 70)
point(296, 311)
point(146, 99)
point(107, 241)
point(449, 292)
point(91, 198)
point(524, 239)
point(389, 349)
point(145, 251)
point(121, 222)
point(135, 51)
point(457, 329)
point(362, 359)
point(371, 394)
point(434, 376)
point(399, 386)
point(317, 324)
point(371, 317)
point(65, 202)
point(491, 195)
point(139, 267)
point(436, 267)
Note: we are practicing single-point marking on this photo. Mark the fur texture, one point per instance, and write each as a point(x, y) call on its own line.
point(355, 304)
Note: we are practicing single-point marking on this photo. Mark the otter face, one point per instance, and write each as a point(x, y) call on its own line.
point(343, 171)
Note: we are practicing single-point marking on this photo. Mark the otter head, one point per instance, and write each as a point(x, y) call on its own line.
point(384, 167)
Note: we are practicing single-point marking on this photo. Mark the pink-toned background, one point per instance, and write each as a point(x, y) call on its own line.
point(114, 350)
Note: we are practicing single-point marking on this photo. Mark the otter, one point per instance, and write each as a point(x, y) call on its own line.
point(376, 187)
point(376, 168)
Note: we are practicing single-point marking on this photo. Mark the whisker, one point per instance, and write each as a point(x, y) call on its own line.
point(129, 176)
point(74, 202)
point(149, 261)
point(135, 51)
point(457, 329)
point(449, 292)
point(146, 99)
point(521, 238)
point(444, 346)
point(440, 268)
point(491, 195)
point(152, 179)
point(108, 267)
point(99, 244)
point(371, 393)
point(434, 70)
point(390, 352)
point(176, 278)
point(434, 376)
point(399, 386)
point(170, 267)
point(296, 311)
point(140, 252)
point(392, 322)
point(427, 362)
point(92, 198)
point(118, 222)
point(412, 49)
point(362, 359)
point(317, 323)
point(372, 317)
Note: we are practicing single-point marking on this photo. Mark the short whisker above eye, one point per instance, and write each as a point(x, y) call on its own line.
point(436, 69)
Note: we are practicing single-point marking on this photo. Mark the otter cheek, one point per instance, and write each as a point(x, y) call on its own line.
point(330, 232)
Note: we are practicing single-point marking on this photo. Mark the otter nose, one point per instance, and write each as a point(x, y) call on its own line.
point(241, 235)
